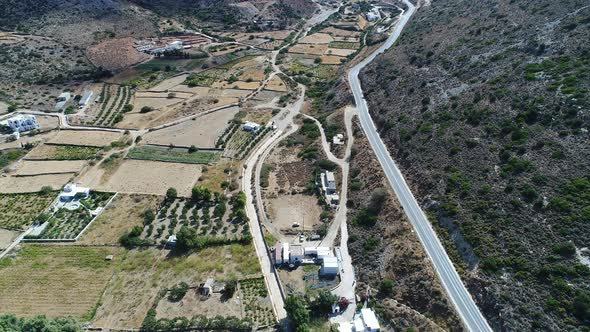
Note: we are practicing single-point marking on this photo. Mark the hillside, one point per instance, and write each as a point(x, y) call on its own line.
point(484, 105)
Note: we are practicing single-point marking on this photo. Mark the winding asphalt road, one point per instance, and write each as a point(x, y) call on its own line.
point(460, 297)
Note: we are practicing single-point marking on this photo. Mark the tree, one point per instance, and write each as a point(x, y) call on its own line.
point(220, 209)
point(324, 301)
point(186, 238)
point(148, 217)
point(46, 190)
point(192, 149)
point(177, 292)
point(386, 286)
point(127, 108)
point(201, 194)
point(171, 193)
point(230, 287)
point(378, 198)
point(297, 311)
point(146, 109)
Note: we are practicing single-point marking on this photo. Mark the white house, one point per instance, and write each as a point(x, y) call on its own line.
point(285, 252)
point(329, 266)
point(366, 321)
point(22, 122)
point(85, 100)
point(329, 182)
point(319, 252)
point(251, 127)
point(71, 191)
point(338, 139)
point(207, 287)
point(278, 253)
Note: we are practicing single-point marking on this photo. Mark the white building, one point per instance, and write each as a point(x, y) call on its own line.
point(278, 253)
point(368, 320)
point(329, 266)
point(329, 182)
point(22, 122)
point(338, 139)
point(251, 127)
point(207, 287)
point(85, 100)
point(285, 252)
point(71, 191)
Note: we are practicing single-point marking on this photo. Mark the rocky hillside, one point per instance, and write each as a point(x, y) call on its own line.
point(485, 106)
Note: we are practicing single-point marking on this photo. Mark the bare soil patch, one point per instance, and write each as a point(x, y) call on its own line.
point(170, 83)
point(201, 132)
point(276, 84)
point(331, 59)
point(317, 38)
point(309, 49)
point(340, 32)
point(85, 137)
point(33, 167)
point(115, 54)
point(339, 51)
point(285, 210)
point(6, 238)
point(12, 184)
point(145, 177)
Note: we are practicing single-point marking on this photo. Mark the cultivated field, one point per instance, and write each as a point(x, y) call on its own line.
point(340, 51)
point(331, 59)
point(201, 132)
point(145, 177)
point(17, 211)
point(115, 54)
point(85, 137)
point(55, 280)
point(6, 238)
point(62, 152)
point(32, 167)
point(29, 184)
point(316, 49)
point(166, 154)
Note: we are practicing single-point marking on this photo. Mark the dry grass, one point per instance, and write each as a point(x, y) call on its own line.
point(141, 274)
point(12, 184)
point(32, 167)
point(145, 177)
point(308, 49)
point(331, 59)
point(124, 212)
point(285, 210)
point(85, 137)
point(317, 38)
point(276, 84)
point(55, 280)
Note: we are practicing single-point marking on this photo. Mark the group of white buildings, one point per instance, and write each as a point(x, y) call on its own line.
point(364, 321)
point(296, 254)
point(151, 48)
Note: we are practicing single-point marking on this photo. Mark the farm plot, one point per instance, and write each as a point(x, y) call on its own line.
point(63, 152)
point(210, 219)
point(32, 167)
point(332, 59)
point(205, 78)
point(202, 132)
point(276, 84)
point(17, 211)
point(335, 32)
point(94, 138)
point(317, 38)
point(236, 85)
point(170, 83)
point(240, 142)
point(285, 210)
point(340, 51)
point(308, 49)
point(56, 281)
point(257, 304)
point(177, 155)
point(345, 45)
point(30, 184)
point(113, 98)
point(67, 224)
point(142, 274)
point(145, 177)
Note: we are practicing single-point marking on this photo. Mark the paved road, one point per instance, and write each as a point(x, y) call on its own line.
point(460, 297)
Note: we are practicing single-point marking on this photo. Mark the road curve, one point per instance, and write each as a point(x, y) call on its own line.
point(460, 297)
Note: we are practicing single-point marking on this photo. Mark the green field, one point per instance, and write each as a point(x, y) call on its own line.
point(63, 152)
point(172, 155)
point(345, 45)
